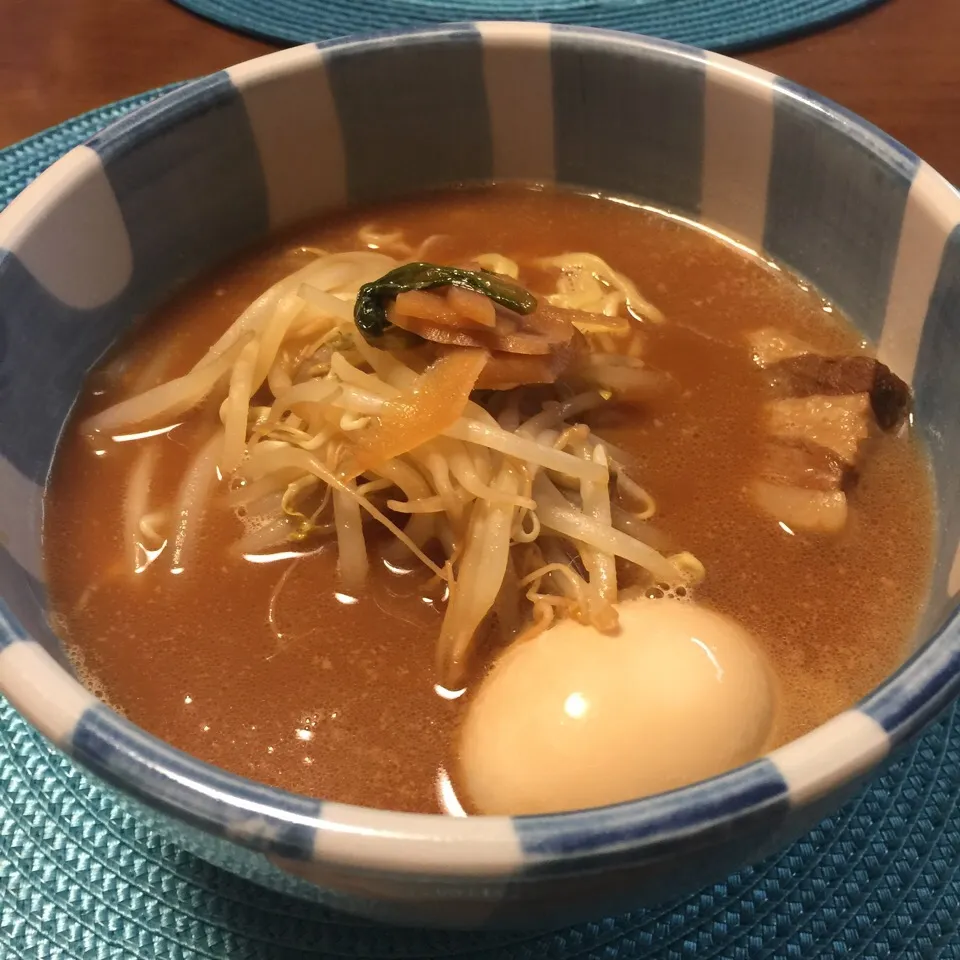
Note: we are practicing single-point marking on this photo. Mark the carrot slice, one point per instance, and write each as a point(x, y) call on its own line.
point(474, 306)
point(508, 370)
point(424, 305)
point(435, 401)
point(477, 336)
point(459, 308)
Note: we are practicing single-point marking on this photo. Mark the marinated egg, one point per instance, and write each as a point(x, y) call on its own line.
point(575, 718)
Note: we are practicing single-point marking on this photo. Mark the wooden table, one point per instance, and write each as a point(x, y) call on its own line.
point(898, 65)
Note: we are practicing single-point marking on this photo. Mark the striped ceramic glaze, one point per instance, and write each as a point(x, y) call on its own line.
point(180, 184)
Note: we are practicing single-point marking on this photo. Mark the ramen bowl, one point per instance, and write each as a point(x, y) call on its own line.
point(175, 187)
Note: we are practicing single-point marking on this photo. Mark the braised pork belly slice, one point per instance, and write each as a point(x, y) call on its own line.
point(807, 465)
point(821, 410)
point(809, 374)
point(816, 511)
point(837, 423)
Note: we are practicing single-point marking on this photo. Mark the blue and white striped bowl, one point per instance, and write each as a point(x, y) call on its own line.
point(173, 188)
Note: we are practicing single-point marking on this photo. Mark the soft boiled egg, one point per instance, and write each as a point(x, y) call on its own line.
point(574, 718)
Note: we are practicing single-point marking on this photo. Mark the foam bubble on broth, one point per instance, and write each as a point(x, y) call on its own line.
point(89, 679)
point(205, 635)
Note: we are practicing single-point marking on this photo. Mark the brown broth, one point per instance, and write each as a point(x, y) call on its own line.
point(335, 697)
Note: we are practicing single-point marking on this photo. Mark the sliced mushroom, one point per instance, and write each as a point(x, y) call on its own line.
point(505, 371)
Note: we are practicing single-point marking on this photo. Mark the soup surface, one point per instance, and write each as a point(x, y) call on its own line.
point(270, 667)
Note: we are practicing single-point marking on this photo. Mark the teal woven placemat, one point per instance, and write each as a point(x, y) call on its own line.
point(715, 24)
point(79, 878)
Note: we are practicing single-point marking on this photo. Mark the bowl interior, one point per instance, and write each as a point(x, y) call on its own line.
point(179, 185)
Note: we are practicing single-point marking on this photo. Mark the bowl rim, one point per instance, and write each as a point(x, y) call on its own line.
point(289, 827)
